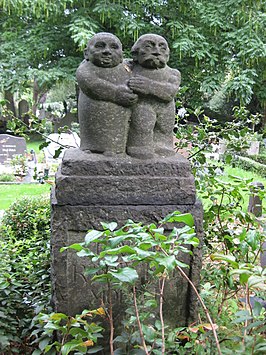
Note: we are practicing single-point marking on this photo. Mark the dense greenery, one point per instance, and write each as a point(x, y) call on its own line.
point(24, 271)
point(218, 46)
point(232, 278)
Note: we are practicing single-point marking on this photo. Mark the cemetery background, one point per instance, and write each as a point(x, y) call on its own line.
point(207, 292)
point(192, 53)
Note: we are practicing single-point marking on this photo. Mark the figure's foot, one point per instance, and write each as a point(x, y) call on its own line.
point(86, 151)
point(164, 151)
point(109, 153)
point(142, 152)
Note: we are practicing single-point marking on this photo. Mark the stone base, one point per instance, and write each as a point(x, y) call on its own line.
point(92, 188)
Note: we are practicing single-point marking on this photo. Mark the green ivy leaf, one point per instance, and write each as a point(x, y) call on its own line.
point(92, 235)
point(117, 251)
point(76, 246)
point(71, 346)
point(126, 274)
point(178, 217)
point(109, 226)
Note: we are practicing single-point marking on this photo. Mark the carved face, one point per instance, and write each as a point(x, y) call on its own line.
point(104, 50)
point(151, 51)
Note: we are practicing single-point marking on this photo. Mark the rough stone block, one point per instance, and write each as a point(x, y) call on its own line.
point(91, 188)
point(93, 179)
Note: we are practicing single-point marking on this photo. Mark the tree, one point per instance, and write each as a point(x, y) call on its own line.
point(218, 46)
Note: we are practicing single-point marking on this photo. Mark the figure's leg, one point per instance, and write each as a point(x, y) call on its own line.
point(140, 136)
point(163, 130)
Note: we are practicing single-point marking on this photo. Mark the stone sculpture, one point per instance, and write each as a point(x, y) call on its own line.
point(104, 98)
point(153, 116)
point(122, 105)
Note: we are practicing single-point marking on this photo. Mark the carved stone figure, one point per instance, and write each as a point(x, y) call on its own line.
point(153, 116)
point(105, 99)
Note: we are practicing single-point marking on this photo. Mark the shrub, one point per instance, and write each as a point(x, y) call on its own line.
point(251, 165)
point(7, 177)
point(26, 217)
point(24, 271)
point(261, 158)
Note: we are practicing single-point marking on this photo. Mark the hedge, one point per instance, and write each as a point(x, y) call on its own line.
point(250, 165)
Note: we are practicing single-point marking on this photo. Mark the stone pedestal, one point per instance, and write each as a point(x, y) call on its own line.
point(91, 188)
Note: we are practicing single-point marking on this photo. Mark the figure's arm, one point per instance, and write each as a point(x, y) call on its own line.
point(164, 91)
point(100, 89)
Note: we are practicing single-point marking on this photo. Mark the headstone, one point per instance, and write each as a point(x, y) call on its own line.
point(55, 140)
point(126, 168)
point(255, 203)
point(254, 148)
point(23, 111)
point(10, 146)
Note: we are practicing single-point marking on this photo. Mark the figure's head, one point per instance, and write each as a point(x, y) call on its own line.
point(104, 50)
point(151, 51)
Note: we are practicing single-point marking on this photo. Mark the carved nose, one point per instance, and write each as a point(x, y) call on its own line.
point(107, 51)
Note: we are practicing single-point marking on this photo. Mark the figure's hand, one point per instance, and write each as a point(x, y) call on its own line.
point(140, 84)
point(125, 97)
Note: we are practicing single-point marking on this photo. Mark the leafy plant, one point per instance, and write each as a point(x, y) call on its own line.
point(7, 178)
point(24, 271)
point(27, 217)
point(19, 163)
point(75, 334)
point(123, 253)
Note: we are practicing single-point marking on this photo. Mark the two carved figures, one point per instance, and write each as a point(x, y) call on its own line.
point(127, 106)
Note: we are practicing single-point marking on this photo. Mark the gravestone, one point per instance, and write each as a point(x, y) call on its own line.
point(255, 202)
point(23, 109)
point(254, 148)
point(122, 178)
point(10, 146)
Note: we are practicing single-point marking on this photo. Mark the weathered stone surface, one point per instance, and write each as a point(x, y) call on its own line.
point(76, 162)
point(73, 291)
point(123, 108)
point(156, 84)
point(104, 98)
point(124, 181)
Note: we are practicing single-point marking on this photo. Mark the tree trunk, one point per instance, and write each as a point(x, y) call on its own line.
point(10, 102)
point(36, 92)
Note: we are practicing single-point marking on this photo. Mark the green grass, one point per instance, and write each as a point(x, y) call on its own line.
point(244, 175)
point(9, 193)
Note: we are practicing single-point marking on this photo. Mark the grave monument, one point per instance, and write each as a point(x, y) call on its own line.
point(126, 167)
point(11, 146)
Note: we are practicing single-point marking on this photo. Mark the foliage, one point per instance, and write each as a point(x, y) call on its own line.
point(250, 165)
point(24, 271)
point(27, 217)
point(122, 255)
point(7, 178)
point(19, 164)
point(233, 241)
point(218, 47)
point(73, 333)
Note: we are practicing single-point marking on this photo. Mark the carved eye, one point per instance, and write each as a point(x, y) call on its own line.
point(162, 46)
point(99, 45)
point(148, 45)
point(114, 46)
